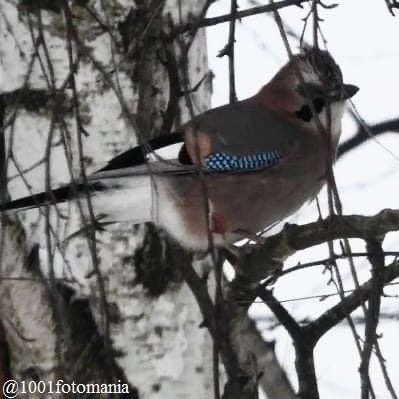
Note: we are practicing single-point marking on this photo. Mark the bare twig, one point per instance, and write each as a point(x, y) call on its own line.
point(362, 136)
point(392, 4)
point(373, 312)
point(239, 15)
point(229, 51)
point(339, 312)
point(72, 36)
point(303, 343)
point(294, 238)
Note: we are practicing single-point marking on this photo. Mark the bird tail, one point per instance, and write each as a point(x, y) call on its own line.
point(119, 199)
point(132, 194)
point(56, 196)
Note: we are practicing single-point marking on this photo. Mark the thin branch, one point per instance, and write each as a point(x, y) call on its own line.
point(72, 35)
point(373, 312)
point(303, 343)
point(269, 321)
point(3, 158)
point(339, 312)
point(306, 337)
point(282, 315)
point(315, 26)
point(229, 51)
point(232, 82)
point(392, 4)
point(361, 136)
point(239, 15)
point(263, 260)
point(199, 288)
point(326, 261)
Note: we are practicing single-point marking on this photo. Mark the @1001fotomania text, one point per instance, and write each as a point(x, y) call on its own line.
point(12, 388)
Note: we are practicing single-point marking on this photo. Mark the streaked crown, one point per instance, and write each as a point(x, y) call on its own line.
point(320, 75)
point(320, 64)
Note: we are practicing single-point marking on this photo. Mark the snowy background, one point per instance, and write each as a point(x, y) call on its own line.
point(363, 38)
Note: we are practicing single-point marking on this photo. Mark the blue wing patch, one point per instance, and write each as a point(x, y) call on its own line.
point(223, 162)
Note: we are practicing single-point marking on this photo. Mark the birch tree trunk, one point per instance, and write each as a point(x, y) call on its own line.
point(81, 82)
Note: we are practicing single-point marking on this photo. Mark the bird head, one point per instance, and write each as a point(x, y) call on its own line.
point(310, 87)
point(318, 76)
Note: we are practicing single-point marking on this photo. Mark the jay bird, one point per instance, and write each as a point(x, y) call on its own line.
point(241, 167)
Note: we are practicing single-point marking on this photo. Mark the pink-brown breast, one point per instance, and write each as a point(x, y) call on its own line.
point(244, 201)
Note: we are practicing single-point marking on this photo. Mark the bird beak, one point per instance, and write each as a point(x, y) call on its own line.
point(338, 93)
point(343, 92)
point(349, 91)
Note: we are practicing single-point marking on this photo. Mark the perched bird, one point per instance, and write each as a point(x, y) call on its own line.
point(241, 167)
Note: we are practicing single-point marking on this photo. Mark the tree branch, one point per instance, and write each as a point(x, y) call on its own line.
point(392, 4)
point(377, 261)
point(303, 343)
point(339, 312)
point(263, 260)
point(361, 136)
point(239, 15)
point(229, 51)
point(272, 377)
point(281, 313)
point(199, 288)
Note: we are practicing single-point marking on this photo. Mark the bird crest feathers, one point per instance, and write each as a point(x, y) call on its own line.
point(318, 66)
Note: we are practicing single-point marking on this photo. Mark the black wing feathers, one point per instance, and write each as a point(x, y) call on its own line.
point(138, 155)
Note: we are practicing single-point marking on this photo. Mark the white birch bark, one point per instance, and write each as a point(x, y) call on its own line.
point(162, 352)
point(53, 333)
